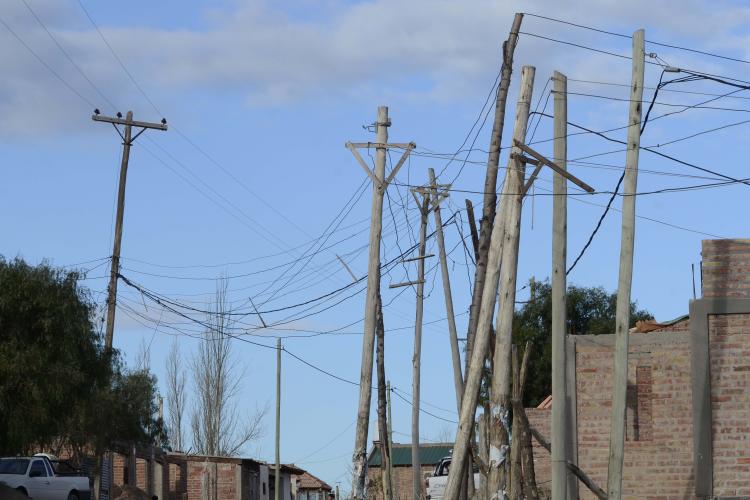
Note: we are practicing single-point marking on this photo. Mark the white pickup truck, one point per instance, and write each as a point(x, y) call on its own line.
point(40, 478)
point(439, 478)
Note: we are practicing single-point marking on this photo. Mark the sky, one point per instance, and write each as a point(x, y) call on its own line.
point(252, 181)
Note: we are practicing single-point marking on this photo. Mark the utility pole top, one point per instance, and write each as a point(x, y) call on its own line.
point(128, 120)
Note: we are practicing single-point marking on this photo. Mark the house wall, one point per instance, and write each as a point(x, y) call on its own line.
point(658, 449)
point(729, 347)
point(177, 481)
point(264, 487)
point(208, 480)
point(402, 482)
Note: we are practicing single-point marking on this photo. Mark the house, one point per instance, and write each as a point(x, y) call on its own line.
point(308, 487)
point(430, 455)
point(178, 476)
point(688, 395)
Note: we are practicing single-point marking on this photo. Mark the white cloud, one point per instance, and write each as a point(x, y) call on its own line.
point(447, 49)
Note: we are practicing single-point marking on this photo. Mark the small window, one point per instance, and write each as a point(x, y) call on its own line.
point(37, 469)
point(264, 487)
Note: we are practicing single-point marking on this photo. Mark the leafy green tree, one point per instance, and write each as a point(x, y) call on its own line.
point(591, 311)
point(57, 385)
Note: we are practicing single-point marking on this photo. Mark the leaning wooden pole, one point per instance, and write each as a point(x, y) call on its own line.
point(417, 358)
point(622, 312)
point(505, 285)
point(385, 451)
point(458, 381)
point(490, 184)
point(473, 377)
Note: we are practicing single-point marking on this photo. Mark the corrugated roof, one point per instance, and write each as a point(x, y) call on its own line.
point(429, 454)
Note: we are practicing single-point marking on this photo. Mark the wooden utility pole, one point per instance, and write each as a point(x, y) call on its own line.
point(437, 196)
point(488, 209)
point(379, 185)
point(385, 452)
point(473, 377)
point(622, 311)
point(490, 185)
point(127, 140)
point(504, 276)
point(560, 430)
point(277, 474)
point(390, 438)
point(416, 466)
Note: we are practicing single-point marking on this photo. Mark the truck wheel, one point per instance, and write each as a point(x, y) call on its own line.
point(72, 495)
point(22, 491)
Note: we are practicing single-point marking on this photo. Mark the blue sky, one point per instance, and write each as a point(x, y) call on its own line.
point(271, 92)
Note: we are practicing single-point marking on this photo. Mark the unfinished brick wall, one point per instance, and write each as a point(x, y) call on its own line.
point(217, 479)
point(726, 268)
point(141, 473)
point(119, 469)
point(402, 482)
point(540, 419)
point(658, 450)
point(177, 481)
point(729, 336)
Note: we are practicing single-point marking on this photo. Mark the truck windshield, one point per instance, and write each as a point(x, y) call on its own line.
point(13, 465)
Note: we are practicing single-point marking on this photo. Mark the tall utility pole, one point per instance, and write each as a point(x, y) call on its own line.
point(437, 197)
point(490, 184)
point(488, 210)
point(622, 310)
point(127, 140)
point(379, 185)
point(473, 376)
point(560, 423)
point(500, 388)
point(277, 475)
point(416, 360)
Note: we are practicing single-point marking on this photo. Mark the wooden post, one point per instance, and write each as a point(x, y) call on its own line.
point(504, 281)
point(490, 185)
point(473, 377)
point(559, 289)
point(416, 359)
point(379, 185)
point(515, 448)
point(390, 439)
point(488, 213)
point(622, 313)
point(458, 382)
point(277, 474)
point(127, 141)
point(385, 452)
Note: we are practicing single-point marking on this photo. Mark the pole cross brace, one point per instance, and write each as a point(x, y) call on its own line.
point(408, 283)
point(540, 160)
point(352, 146)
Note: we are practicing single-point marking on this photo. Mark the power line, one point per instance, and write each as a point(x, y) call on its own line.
point(581, 46)
point(67, 55)
point(44, 63)
point(612, 33)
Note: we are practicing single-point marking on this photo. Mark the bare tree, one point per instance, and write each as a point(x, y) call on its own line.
point(143, 358)
point(176, 396)
point(217, 427)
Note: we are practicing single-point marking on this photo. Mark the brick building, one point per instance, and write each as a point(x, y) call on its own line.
point(177, 476)
point(430, 455)
point(688, 397)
